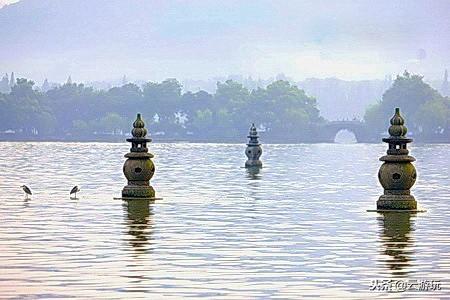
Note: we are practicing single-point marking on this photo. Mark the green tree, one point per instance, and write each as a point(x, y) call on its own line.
point(111, 123)
point(202, 120)
point(5, 113)
point(25, 111)
point(425, 110)
point(73, 101)
point(127, 99)
point(286, 107)
point(232, 95)
point(231, 106)
point(164, 100)
point(375, 119)
point(408, 92)
point(75, 109)
point(81, 127)
point(433, 117)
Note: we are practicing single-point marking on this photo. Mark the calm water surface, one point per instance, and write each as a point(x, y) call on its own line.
point(298, 228)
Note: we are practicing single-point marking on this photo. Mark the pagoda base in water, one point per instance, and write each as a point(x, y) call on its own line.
point(397, 202)
point(138, 192)
point(253, 164)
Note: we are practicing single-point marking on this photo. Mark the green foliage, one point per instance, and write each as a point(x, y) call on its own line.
point(164, 96)
point(433, 117)
point(203, 119)
point(232, 95)
point(427, 113)
point(111, 123)
point(375, 119)
point(24, 110)
point(80, 127)
point(296, 119)
point(74, 109)
point(280, 108)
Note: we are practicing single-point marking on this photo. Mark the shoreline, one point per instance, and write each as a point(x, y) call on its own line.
point(241, 140)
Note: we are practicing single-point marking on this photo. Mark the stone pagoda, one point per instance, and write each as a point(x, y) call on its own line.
point(397, 174)
point(253, 150)
point(138, 167)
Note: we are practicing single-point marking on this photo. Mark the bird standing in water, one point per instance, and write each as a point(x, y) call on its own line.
point(75, 190)
point(26, 190)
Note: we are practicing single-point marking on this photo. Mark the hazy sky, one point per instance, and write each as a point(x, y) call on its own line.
point(154, 39)
point(3, 2)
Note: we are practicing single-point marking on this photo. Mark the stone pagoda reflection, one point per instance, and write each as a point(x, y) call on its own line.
point(139, 222)
point(396, 230)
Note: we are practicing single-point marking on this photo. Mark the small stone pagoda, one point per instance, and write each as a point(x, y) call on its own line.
point(253, 150)
point(397, 174)
point(138, 167)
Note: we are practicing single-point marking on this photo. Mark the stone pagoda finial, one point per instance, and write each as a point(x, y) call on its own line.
point(139, 140)
point(138, 167)
point(254, 149)
point(397, 174)
point(139, 130)
point(397, 129)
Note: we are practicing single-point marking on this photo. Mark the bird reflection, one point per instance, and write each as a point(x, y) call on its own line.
point(395, 234)
point(139, 221)
point(253, 173)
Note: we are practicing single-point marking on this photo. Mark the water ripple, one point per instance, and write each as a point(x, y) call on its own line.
point(298, 228)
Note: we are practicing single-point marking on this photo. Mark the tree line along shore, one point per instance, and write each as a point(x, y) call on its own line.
point(282, 112)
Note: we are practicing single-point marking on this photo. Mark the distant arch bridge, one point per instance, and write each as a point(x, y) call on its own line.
point(329, 130)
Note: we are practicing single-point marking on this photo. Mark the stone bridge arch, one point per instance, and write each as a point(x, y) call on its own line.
point(330, 130)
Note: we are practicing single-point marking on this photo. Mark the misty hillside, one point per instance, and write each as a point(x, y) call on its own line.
point(339, 99)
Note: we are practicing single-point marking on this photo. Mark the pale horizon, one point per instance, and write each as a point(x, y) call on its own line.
point(154, 40)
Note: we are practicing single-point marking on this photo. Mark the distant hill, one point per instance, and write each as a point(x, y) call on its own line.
point(340, 99)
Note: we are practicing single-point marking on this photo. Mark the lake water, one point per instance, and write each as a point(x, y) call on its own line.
point(298, 228)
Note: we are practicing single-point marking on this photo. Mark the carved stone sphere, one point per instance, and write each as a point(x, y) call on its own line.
point(397, 176)
point(138, 170)
point(253, 153)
